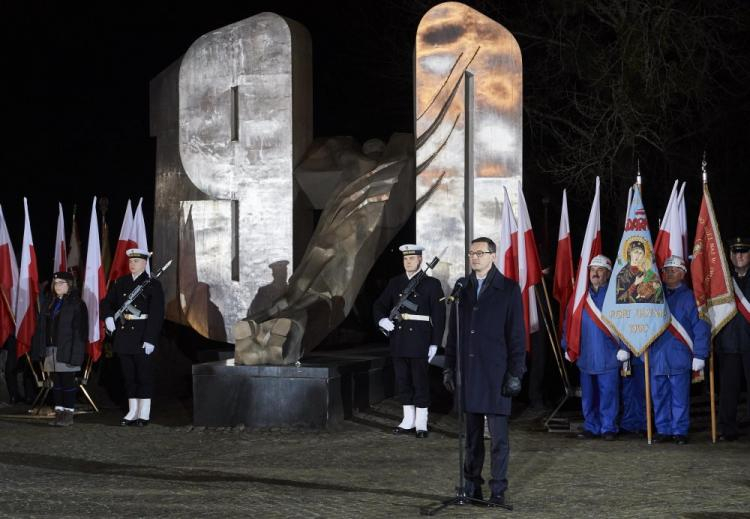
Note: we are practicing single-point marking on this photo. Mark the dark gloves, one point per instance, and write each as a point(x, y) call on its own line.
point(448, 380)
point(511, 385)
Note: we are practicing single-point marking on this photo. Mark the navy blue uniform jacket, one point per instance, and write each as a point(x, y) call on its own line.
point(492, 341)
point(130, 335)
point(413, 338)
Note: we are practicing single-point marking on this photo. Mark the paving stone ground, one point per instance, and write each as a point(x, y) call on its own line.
point(170, 469)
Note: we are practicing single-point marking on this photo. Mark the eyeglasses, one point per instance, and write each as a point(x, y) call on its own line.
point(478, 253)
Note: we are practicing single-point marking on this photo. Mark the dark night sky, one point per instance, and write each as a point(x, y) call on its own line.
point(76, 94)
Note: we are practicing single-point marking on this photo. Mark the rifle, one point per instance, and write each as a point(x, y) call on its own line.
point(403, 302)
point(128, 304)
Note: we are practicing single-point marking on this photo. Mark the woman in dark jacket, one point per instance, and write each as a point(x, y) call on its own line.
point(60, 341)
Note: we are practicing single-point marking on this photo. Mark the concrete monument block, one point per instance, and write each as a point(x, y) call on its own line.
point(468, 104)
point(232, 119)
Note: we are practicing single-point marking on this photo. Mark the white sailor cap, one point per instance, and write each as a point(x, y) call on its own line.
point(138, 253)
point(675, 261)
point(410, 249)
point(601, 261)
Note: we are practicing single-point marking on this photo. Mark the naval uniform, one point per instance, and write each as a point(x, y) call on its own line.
point(132, 332)
point(411, 339)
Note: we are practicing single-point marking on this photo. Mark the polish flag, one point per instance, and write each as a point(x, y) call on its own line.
point(529, 270)
point(563, 284)
point(8, 282)
point(683, 223)
point(138, 232)
point(506, 251)
point(120, 261)
point(592, 246)
point(74, 254)
point(28, 290)
point(669, 240)
point(60, 248)
point(94, 288)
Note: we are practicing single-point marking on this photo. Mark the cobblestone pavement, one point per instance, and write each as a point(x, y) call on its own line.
point(98, 469)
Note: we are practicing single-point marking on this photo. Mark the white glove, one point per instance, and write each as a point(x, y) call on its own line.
point(386, 324)
point(567, 357)
point(431, 353)
point(623, 355)
point(109, 323)
point(148, 348)
point(698, 364)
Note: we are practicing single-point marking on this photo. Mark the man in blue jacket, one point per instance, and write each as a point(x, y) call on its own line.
point(679, 350)
point(491, 342)
point(599, 361)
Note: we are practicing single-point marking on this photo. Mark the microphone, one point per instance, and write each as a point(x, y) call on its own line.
point(456, 289)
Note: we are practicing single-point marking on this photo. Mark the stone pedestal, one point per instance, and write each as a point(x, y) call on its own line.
point(319, 393)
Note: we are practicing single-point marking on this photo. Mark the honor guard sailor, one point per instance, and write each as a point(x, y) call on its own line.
point(733, 343)
point(413, 337)
point(136, 333)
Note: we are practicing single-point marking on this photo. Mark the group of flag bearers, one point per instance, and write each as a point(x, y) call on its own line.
point(639, 334)
point(64, 329)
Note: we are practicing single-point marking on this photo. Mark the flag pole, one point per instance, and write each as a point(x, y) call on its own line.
point(553, 342)
point(554, 338)
point(648, 396)
point(711, 383)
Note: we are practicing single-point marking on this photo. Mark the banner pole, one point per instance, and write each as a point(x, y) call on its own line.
point(648, 396)
point(712, 394)
point(553, 343)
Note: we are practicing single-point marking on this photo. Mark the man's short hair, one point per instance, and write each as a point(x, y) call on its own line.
point(490, 244)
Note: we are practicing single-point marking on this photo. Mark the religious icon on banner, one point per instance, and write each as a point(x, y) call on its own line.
point(635, 308)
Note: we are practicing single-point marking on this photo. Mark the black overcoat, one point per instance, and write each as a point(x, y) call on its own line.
point(492, 341)
point(130, 335)
point(412, 339)
point(68, 331)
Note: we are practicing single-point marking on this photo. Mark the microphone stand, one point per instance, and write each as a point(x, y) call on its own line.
point(461, 498)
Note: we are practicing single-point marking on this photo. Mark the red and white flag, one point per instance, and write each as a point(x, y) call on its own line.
point(506, 249)
point(8, 283)
point(592, 246)
point(94, 288)
point(669, 241)
point(120, 261)
point(138, 232)
point(61, 261)
point(28, 290)
point(564, 283)
point(529, 269)
point(74, 253)
point(709, 270)
point(683, 223)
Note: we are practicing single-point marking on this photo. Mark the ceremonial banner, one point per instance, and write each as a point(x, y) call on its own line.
point(8, 283)
point(60, 249)
point(506, 249)
point(592, 246)
point(94, 288)
point(635, 307)
point(120, 261)
point(563, 283)
point(669, 239)
point(712, 283)
point(28, 290)
point(529, 270)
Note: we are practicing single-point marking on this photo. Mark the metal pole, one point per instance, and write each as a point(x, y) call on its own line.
point(468, 163)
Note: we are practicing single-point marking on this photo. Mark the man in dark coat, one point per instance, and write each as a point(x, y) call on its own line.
point(413, 339)
point(136, 334)
point(490, 339)
point(733, 343)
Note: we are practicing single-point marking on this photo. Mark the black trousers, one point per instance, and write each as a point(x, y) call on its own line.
point(138, 374)
point(412, 381)
point(731, 367)
point(499, 452)
point(64, 390)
